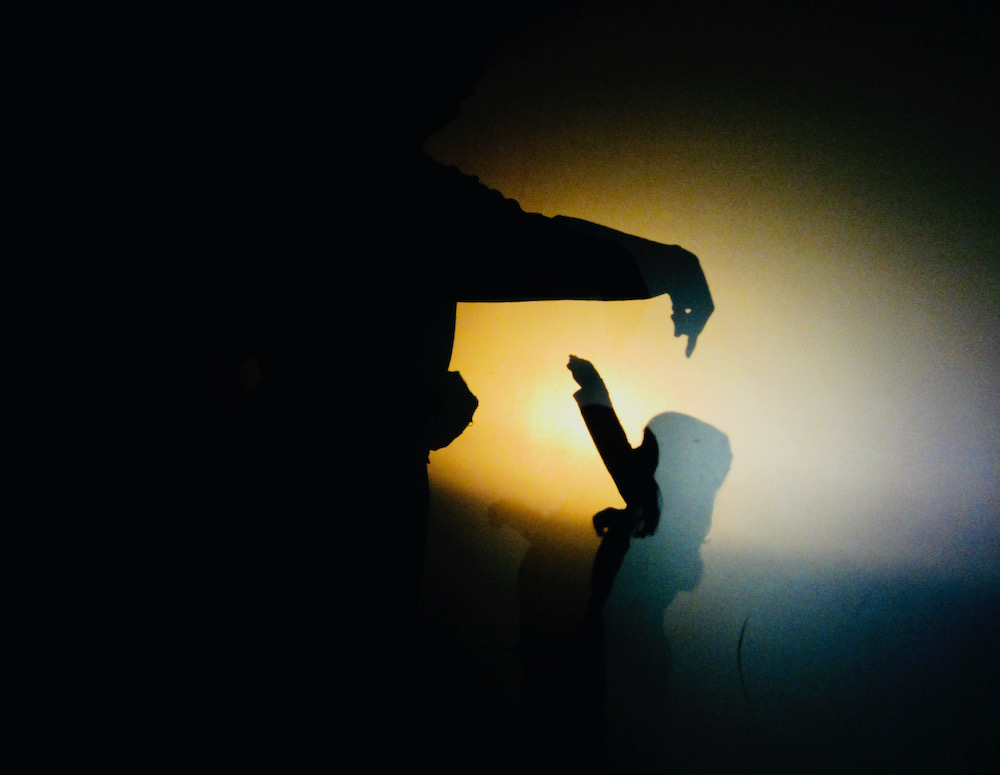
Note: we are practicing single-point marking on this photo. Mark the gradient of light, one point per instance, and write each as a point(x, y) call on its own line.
point(854, 357)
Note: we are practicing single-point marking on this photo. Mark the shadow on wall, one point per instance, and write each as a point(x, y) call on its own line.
point(848, 666)
point(694, 460)
point(601, 695)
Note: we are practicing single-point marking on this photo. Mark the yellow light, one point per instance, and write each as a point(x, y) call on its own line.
point(528, 441)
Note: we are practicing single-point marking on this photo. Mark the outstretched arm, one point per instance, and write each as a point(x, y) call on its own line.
point(602, 422)
point(523, 256)
point(631, 469)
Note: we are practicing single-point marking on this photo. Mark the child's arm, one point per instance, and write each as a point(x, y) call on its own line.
point(631, 469)
point(604, 426)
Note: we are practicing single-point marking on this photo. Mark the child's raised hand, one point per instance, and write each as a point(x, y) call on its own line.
point(584, 372)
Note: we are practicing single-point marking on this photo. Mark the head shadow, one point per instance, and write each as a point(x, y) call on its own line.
point(694, 460)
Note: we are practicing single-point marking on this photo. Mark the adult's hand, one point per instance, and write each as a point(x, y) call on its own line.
point(690, 321)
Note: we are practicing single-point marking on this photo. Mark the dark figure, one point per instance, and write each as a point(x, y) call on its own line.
point(329, 253)
point(562, 702)
point(669, 485)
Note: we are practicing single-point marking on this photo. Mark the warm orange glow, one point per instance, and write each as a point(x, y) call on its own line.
point(853, 355)
point(841, 430)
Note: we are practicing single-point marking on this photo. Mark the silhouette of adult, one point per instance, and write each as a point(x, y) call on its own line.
point(669, 483)
point(453, 239)
point(330, 253)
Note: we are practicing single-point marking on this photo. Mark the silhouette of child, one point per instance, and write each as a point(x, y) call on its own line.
point(669, 483)
point(632, 471)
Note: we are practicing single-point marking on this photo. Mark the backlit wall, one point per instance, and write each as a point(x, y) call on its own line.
point(835, 172)
point(855, 352)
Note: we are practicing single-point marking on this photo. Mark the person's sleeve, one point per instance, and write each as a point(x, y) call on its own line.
point(482, 247)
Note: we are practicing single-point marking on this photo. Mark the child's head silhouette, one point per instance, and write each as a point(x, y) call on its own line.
point(694, 458)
